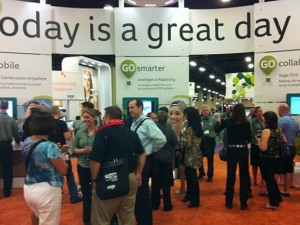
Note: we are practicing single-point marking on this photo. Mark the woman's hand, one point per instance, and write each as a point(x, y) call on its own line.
point(65, 148)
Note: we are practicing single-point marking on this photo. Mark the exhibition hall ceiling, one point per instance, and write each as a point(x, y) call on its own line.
point(217, 65)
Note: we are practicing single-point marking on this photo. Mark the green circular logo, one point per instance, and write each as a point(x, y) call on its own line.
point(267, 64)
point(128, 67)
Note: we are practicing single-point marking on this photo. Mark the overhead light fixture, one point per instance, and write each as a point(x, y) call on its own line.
point(248, 59)
point(198, 86)
point(209, 90)
point(202, 69)
point(150, 5)
point(204, 89)
point(169, 2)
point(108, 7)
point(212, 76)
point(132, 2)
point(223, 83)
point(218, 80)
point(225, 0)
point(193, 63)
point(250, 66)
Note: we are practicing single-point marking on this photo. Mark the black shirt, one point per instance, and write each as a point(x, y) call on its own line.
point(115, 142)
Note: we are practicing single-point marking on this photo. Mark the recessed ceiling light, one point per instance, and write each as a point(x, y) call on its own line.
point(193, 63)
point(225, 0)
point(169, 2)
point(248, 59)
point(223, 83)
point(204, 89)
point(250, 66)
point(132, 2)
point(218, 80)
point(212, 76)
point(202, 69)
point(209, 90)
point(198, 86)
point(150, 5)
point(108, 7)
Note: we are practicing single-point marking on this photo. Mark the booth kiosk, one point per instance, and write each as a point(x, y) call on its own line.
point(100, 84)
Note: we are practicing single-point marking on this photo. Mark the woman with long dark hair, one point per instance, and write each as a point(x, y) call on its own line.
point(238, 136)
point(193, 156)
point(269, 144)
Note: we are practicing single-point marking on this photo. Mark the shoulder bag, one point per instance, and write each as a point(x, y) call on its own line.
point(113, 178)
point(30, 152)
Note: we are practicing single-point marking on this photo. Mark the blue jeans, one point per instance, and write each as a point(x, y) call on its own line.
point(71, 182)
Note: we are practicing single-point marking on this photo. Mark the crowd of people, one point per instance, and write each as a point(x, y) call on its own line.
point(152, 147)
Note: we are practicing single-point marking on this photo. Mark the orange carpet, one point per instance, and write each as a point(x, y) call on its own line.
point(14, 211)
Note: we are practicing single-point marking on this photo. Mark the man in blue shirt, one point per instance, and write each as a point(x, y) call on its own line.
point(290, 128)
point(152, 140)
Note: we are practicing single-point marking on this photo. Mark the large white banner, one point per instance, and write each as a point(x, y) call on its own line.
point(277, 74)
point(83, 31)
point(23, 27)
point(144, 31)
point(25, 76)
point(218, 31)
point(162, 77)
point(40, 28)
point(276, 26)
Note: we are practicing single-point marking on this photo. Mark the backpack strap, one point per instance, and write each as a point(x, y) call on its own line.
point(29, 153)
point(140, 124)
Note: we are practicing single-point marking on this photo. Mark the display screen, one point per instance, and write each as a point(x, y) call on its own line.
point(295, 105)
point(293, 100)
point(12, 107)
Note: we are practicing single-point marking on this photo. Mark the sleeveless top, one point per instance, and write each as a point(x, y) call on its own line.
point(274, 144)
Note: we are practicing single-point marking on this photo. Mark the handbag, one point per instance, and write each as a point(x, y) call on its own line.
point(223, 154)
point(113, 179)
point(284, 150)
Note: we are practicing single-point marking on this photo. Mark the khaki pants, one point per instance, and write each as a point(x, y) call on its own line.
point(103, 210)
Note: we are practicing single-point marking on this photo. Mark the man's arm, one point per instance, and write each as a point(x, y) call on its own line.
point(94, 167)
point(139, 168)
point(158, 138)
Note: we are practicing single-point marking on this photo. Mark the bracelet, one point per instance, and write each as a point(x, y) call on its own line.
point(94, 180)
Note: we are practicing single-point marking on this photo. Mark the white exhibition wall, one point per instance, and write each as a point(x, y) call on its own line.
point(31, 32)
point(152, 77)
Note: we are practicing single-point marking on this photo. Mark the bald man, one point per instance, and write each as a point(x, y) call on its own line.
point(290, 128)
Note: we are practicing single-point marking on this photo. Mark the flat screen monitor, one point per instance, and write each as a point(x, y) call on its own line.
point(293, 100)
point(12, 107)
point(150, 104)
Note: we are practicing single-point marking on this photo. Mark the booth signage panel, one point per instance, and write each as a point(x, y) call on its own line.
point(277, 26)
point(277, 74)
point(162, 77)
point(221, 31)
point(67, 85)
point(25, 76)
point(146, 31)
point(90, 31)
point(23, 27)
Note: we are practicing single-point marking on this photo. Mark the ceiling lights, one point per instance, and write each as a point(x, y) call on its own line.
point(202, 69)
point(193, 63)
point(151, 3)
